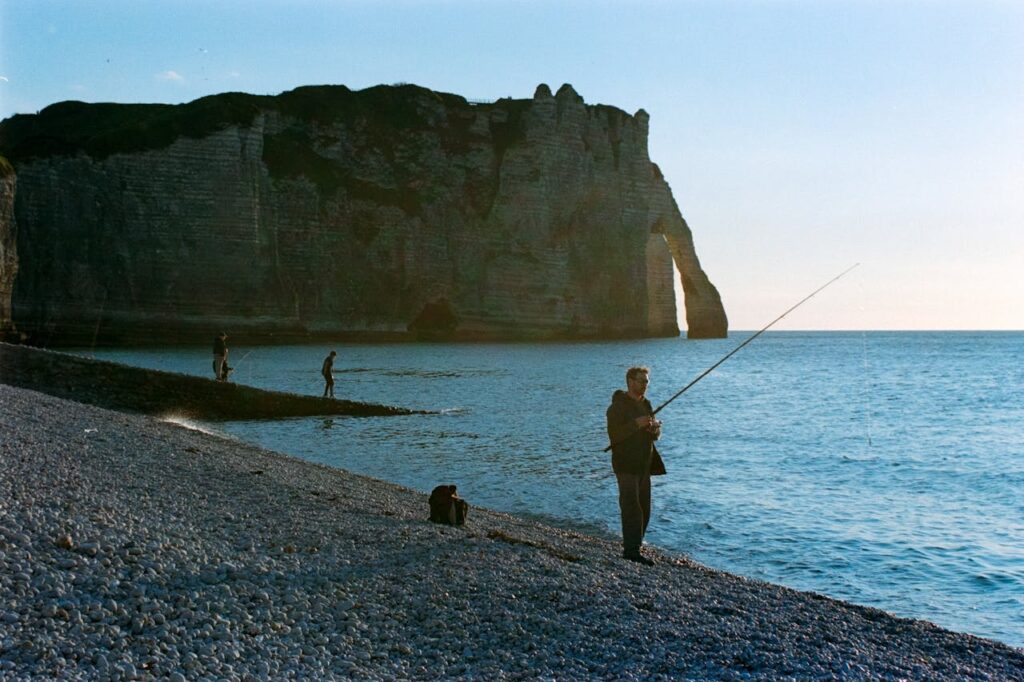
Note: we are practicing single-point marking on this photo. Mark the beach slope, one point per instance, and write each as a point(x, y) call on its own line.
point(136, 549)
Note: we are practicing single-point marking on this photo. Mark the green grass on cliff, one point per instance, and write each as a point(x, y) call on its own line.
point(387, 119)
point(382, 106)
point(6, 169)
point(99, 130)
point(512, 131)
point(291, 154)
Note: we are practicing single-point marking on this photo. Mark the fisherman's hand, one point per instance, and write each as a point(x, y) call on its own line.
point(655, 429)
point(644, 423)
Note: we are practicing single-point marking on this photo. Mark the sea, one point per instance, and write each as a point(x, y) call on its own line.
point(880, 468)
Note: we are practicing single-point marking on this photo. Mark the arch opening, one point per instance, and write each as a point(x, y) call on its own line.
point(677, 288)
point(662, 299)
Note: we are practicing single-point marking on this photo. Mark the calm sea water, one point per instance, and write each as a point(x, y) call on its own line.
point(886, 469)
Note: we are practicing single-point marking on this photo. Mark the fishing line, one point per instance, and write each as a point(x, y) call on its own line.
point(242, 360)
point(235, 368)
point(735, 350)
point(866, 374)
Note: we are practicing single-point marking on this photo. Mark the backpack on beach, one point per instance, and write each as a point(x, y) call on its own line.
point(447, 507)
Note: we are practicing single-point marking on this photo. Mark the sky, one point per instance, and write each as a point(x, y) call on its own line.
point(798, 137)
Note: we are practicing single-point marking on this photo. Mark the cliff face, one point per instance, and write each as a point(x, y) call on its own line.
point(8, 253)
point(325, 211)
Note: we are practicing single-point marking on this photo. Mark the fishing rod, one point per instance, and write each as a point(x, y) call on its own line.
point(737, 348)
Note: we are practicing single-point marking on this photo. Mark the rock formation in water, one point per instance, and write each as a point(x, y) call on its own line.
point(148, 391)
point(385, 212)
point(8, 254)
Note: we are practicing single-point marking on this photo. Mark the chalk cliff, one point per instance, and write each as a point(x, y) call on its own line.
point(8, 254)
point(385, 212)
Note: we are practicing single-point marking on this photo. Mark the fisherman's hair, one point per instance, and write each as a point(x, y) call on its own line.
point(634, 372)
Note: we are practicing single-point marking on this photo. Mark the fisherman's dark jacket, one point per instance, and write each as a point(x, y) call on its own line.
point(633, 450)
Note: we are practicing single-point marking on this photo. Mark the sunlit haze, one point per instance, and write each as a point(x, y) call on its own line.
point(798, 137)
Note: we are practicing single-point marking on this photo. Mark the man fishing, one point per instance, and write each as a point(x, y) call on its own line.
point(327, 370)
point(220, 355)
point(632, 430)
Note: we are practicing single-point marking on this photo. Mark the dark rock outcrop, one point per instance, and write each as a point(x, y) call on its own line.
point(324, 211)
point(149, 391)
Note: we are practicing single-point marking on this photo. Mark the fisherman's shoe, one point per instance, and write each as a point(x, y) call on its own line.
point(638, 558)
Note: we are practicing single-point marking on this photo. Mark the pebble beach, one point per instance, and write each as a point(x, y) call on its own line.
point(137, 549)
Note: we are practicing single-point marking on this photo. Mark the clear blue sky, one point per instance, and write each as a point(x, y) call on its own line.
point(799, 137)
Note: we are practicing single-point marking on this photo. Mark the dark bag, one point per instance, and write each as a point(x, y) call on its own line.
point(447, 507)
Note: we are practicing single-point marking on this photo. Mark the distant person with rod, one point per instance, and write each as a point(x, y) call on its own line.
point(220, 355)
point(328, 371)
point(632, 430)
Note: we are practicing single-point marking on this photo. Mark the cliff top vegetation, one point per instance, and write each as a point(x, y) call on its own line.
point(99, 130)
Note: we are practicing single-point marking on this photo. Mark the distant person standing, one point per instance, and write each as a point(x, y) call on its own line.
point(633, 429)
point(328, 371)
point(220, 355)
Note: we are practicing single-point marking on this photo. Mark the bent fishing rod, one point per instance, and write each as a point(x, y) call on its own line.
point(735, 350)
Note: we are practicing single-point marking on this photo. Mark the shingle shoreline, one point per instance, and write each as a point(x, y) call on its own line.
point(136, 549)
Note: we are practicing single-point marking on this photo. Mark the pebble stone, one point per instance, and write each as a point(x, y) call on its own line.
point(135, 549)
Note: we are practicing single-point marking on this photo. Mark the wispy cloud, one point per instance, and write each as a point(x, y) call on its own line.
point(4, 79)
point(171, 76)
point(234, 74)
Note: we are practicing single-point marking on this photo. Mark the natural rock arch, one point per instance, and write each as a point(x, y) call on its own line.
point(705, 315)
